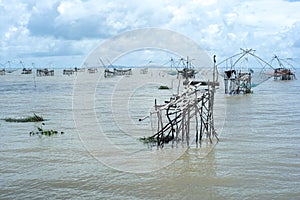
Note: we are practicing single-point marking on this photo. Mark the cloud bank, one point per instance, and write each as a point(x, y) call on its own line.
point(65, 31)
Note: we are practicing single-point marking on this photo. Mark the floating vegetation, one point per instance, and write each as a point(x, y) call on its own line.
point(153, 139)
point(34, 118)
point(40, 131)
point(163, 87)
point(147, 140)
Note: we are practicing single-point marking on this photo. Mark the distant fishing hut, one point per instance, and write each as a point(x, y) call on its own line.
point(122, 72)
point(237, 83)
point(45, 72)
point(26, 71)
point(282, 72)
point(7, 69)
point(187, 71)
point(144, 71)
point(238, 76)
point(92, 70)
point(68, 72)
point(108, 73)
point(117, 72)
point(2, 71)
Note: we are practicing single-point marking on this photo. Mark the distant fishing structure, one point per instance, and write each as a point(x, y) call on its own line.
point(5, 69)
point(181, 67)
point(92, 70)
point(188, 71)
point(115, 71)
point(190, 110)
point(238, 76)
point(282, 72)
point(45, 72)
point(144, 70)
point(69, 71)
point(26, 70)
point(2, 71)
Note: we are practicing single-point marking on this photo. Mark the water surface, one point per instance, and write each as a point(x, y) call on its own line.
point(257, 157)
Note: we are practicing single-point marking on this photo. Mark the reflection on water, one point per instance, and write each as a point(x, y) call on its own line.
point(257, 156)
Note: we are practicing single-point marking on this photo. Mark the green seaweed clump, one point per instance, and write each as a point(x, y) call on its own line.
point(40, 131)
point(163, 87)
point(34, 118)
point(147, 140)
point(155, 139)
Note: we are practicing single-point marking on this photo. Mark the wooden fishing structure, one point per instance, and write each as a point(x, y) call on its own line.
point(144, 71)
point(187, 71)
point(68, 71)
point(282, 72)
point(6, 69)
point(238, 75)
point(2, 71)
point(45, 72)
point(122, 72)
point(117, 72)
point(92, 70)
point(185, 113)
point(237, 82)
point(108, 73)
point(26, 71)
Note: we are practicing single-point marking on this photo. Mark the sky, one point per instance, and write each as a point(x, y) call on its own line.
point(61, 33)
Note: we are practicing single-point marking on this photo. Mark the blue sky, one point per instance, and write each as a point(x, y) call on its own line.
point(62, 33)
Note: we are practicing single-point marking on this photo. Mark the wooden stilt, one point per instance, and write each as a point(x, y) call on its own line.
point(194, 106)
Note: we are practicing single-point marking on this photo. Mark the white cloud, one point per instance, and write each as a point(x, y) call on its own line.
point(204, 2)
point(73, 27)
point(230, 18)
point(231, 36)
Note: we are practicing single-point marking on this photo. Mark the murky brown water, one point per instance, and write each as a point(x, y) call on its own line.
point(257, 157)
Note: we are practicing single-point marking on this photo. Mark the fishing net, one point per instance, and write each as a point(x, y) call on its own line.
point(247, 62)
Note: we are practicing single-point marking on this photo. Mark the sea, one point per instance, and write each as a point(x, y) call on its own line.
point(99, 156)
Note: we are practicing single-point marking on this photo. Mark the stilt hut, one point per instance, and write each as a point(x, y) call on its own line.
point(122, 72)
point(281, 72)
point(144, 71)
point(2, 71)
point(117, 72)
point(68, 72)
point(238, 72)
point(108, 73)
point(26, 71)
point(45, 72)
point(188, 71)
point(92, 70)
